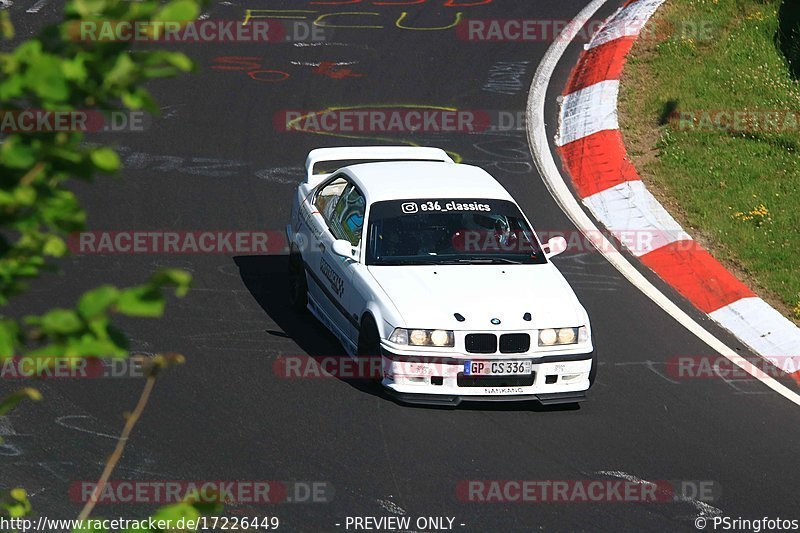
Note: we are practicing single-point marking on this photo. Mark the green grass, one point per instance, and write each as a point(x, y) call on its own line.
point(740, 191)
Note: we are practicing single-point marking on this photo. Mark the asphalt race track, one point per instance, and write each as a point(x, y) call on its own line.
point(214, 161)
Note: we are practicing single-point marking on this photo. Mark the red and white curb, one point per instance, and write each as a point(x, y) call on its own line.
point(592, 151)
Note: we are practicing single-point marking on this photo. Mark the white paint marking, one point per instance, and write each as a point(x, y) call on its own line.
point(318, 63)
point(6, 429)
point(35, 8)
point(704, 509)
point(543, 157)
point(635, 217)
point(322, 43)
point(588, 111)
point(61, 422)
point(391, 507)
point(627, 22)
point(771, 334)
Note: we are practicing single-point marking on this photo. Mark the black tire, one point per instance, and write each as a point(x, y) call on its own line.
point(369, 342)
point(369, 345)
point(298, 285)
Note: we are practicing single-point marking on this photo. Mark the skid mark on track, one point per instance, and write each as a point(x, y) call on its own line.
point(35, 8)
point(69, 423)
point(390, 506)
point(703, 509)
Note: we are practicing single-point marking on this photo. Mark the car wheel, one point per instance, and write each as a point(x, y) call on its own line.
point(369, 342)
point(298, 286)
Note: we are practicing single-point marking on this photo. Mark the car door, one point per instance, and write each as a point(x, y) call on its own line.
point(341, 207)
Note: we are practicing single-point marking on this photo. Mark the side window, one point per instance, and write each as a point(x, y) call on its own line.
point(348, 216)
point(342, 207)
point(327, 197)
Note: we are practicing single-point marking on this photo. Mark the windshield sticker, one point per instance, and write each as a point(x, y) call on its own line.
point(444, 206)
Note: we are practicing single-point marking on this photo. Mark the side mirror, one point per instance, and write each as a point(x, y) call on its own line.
point(344, 249)
point(555, 246)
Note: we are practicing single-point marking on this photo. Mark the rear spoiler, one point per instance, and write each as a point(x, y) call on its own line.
point(370, 153)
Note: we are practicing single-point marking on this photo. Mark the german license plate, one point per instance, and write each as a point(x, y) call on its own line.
point(497, 368)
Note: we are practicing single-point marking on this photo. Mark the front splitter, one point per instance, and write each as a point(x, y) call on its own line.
point(455, 400)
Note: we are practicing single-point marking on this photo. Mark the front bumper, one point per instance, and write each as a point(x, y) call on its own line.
point(555, 379)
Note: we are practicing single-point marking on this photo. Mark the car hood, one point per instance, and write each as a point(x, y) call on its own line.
point(429, 296)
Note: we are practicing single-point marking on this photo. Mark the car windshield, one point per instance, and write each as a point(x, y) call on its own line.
point(450, 231)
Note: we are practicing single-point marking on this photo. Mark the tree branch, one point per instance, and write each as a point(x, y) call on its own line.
point(121, 442)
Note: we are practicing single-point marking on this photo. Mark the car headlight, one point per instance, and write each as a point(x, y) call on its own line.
point(562, 336)
point(423, 337)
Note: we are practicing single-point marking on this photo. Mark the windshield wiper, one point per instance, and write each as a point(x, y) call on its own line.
point(491, 260)
point(440, 260)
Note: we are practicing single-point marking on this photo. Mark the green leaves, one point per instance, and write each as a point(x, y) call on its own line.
point(141, 302)
point(60, 322)
point(54, 246)
point(178, 60)
point(9, 338)
point(147, 300)
point(87, 331)
point(179, 10)
point(63, 70)
point(6, 28)
point(16, 503)
point(11, 401)
point(105, 159)
point(44, 78)
point(94, 303)
point(173, 277)
point(15, 154)
point(88, 8)
point(122, 73)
